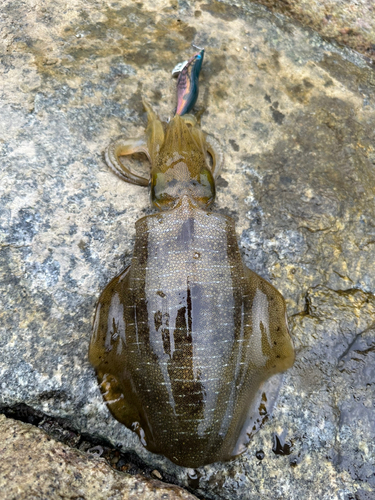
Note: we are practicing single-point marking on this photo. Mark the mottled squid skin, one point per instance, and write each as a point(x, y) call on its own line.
point(186, 338)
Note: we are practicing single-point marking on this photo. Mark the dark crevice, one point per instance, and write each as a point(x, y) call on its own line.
point(349, 291)
point(307, 304)
point(351, 344)
point(58, 429)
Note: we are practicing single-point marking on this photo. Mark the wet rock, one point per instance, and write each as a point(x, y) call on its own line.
point(295, 118)
point(349, 23)
point(33, 465)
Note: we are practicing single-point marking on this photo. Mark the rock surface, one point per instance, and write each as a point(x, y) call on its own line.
point(33, 465)
point(350, 23)
point(295, 117)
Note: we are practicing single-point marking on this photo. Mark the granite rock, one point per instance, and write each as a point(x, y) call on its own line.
point(347, 22)
point(295, 118)
point(33, 466)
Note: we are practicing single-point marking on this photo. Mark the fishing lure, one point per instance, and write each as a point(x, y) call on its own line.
point(187, 82)
point(187, 341)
